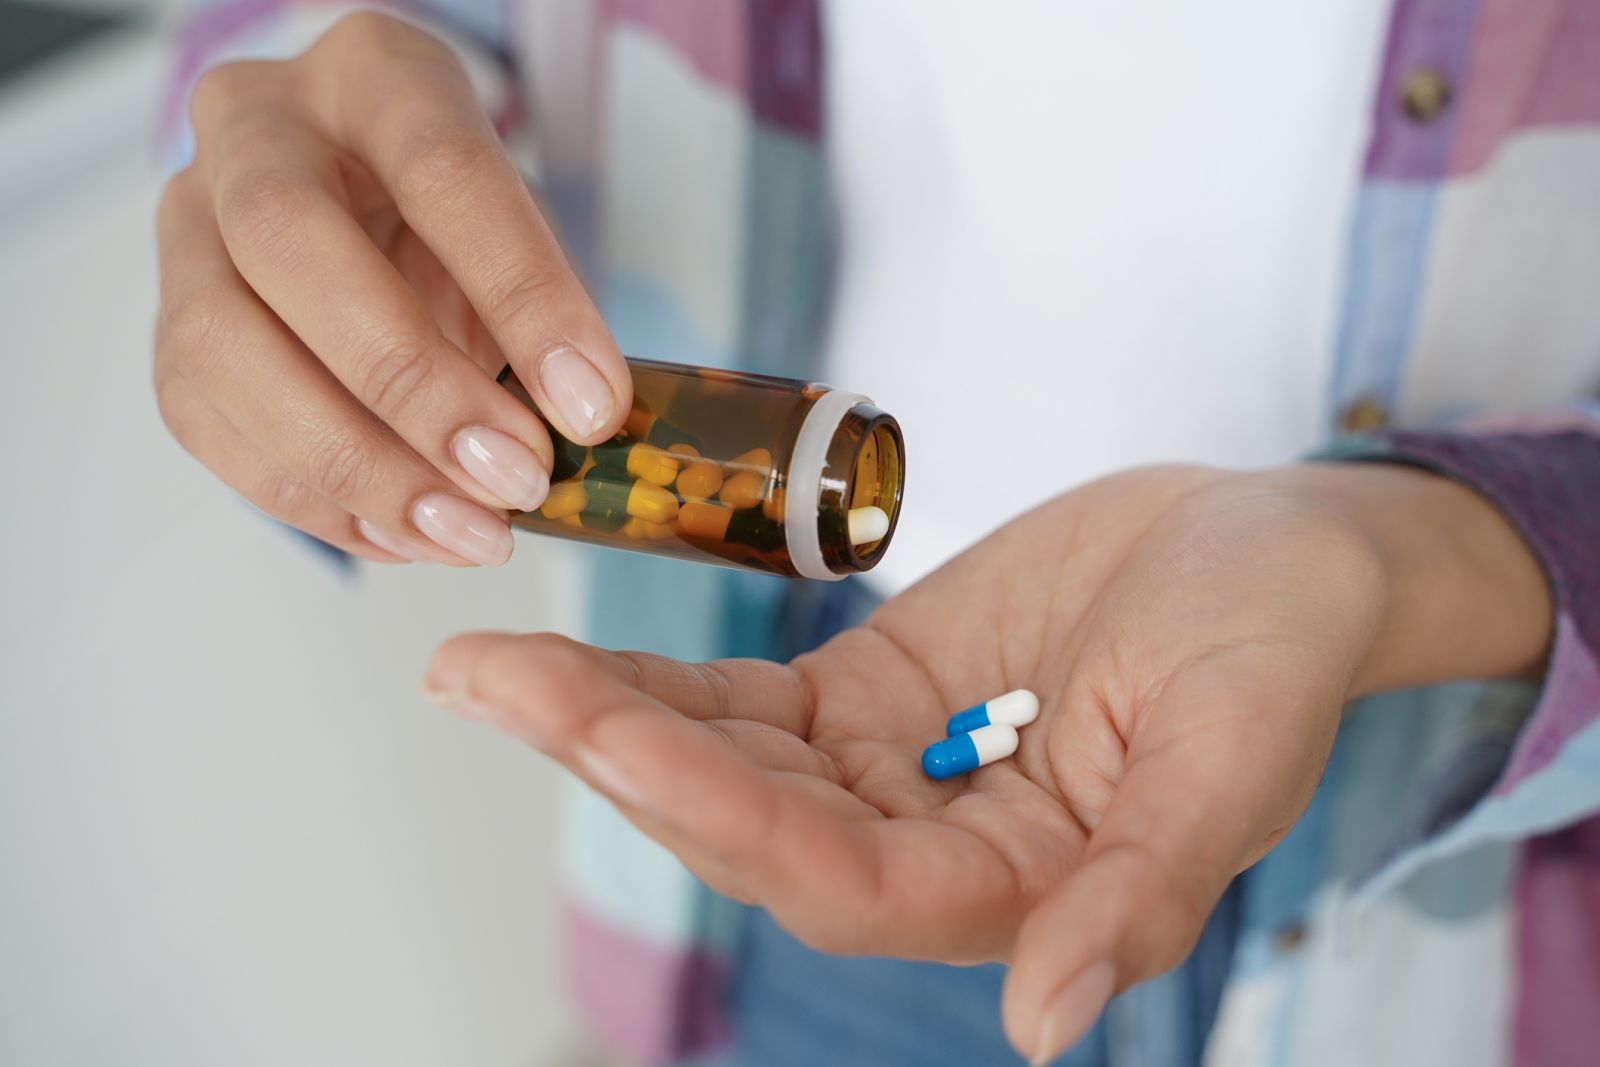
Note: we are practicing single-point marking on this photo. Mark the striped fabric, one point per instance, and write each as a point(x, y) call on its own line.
point(1440, 900)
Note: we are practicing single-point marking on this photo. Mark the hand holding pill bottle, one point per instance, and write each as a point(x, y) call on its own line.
point(741, 470)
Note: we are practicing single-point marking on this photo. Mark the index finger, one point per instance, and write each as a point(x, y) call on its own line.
point(833, 869)
point(419, 127)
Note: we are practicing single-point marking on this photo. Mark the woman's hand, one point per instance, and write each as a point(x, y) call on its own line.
point(346, 265)
point(1192, 636)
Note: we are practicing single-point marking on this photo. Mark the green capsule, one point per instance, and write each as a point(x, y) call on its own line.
point(658, 431)
point(718, 522)
point(640, 499)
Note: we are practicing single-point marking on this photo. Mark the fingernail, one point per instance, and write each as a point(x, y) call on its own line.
point(504, 466)
point(386, 541)
point(1073, 1010)
point(579, 392)
point(462, 527)
point(610, 780)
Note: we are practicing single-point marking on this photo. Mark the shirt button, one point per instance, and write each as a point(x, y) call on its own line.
point(1365, 413)
point(1424, 95)
point(1289, 937)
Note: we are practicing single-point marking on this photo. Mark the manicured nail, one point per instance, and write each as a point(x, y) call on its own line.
point(387, 541)
point(579, 392)
point(505, 467)
point(460, 526)
point(610, 780)
point(1072, 1011)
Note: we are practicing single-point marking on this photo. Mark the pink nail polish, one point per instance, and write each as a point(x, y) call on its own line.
point(460, 526)
point(505, 467)
point(578, 391)
point(386, 541)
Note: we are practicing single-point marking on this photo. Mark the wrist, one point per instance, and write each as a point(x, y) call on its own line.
point(1465, 596)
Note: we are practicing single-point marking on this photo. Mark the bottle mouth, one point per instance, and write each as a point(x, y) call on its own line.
point(869, 453)
point(847, 455)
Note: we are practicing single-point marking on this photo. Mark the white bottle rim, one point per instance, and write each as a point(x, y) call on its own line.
point(802, 500)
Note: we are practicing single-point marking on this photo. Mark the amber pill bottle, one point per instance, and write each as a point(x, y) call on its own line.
point(741, 470)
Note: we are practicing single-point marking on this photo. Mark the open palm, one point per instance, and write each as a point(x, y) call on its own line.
point(1191, 635)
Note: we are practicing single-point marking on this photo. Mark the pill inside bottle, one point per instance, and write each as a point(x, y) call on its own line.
point(741, 470)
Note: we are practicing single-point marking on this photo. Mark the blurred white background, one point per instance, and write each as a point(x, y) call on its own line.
point(230, 830)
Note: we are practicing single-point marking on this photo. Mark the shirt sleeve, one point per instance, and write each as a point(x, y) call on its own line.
point(1543, 474)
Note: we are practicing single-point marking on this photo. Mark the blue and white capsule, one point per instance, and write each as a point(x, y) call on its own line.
point(967, 752)
point(1017, 708)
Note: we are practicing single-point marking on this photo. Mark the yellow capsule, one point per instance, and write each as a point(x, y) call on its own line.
point(638, 529)
point(566, 498)
point(651, 503)
point(573, 520)
point(743, 490)
point(652, 464)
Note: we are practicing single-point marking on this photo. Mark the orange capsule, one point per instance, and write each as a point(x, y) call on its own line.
point(758, 460)
point(700, 478)
point(700, 519)
point(743, 490)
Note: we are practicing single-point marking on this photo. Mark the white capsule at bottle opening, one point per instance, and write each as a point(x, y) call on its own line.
point(1016, 708)
point(969, 751)
point(866, 525)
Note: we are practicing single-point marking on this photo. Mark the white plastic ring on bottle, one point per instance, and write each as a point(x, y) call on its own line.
point(803, 493)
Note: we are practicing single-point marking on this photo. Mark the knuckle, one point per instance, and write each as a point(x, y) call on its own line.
point(442, 158)
point(195, 328)
point(263, 208)
point(176, 197)
point(525, 299)
point(176, 414)
point(400, 378)
point(368, 30)
point(284, 497)
point(343, 468)
point(223, 86)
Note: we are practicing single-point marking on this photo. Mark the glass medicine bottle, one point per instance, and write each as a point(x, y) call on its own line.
point(742, 470)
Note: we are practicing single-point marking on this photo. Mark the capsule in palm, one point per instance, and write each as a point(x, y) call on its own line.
point(1017, 708)
point(967, 752)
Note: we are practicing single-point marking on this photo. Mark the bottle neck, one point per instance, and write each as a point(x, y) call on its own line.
point(864, 468)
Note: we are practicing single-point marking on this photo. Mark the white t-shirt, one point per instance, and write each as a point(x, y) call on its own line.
point(1078, 237)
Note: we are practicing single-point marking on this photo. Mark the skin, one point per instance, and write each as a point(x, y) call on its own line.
point(351, 258)
point(345, 266)
point(1192, 635)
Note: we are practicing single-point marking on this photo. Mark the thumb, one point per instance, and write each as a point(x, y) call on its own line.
point(1194, 808)
point(1125, 916)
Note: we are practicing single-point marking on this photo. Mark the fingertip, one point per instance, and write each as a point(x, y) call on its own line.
point(1067, 1015)
point(452, 663)
point(584, 390)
